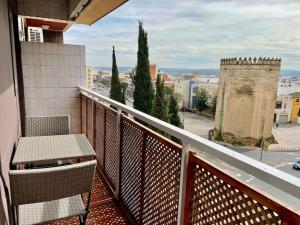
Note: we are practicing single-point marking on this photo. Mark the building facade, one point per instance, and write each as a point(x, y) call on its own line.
point(182, 89)
point(211, 87)
point(90, 78)
point(246, 97)
point(283, 109)
point(295, 111)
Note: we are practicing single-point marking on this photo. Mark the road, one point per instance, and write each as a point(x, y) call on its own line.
point(197, 124)
point(281, 160)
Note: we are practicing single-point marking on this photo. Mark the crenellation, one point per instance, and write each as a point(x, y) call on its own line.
point(250, 61)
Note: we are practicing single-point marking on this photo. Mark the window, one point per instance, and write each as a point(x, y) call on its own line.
point(195, 89)
point(278, 105)
point(35, 34)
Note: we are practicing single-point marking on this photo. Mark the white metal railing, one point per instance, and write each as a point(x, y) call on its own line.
point(286, 182)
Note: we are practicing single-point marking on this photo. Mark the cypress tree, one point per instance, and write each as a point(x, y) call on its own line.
point(123, 100)
point(160, 110)
point(174, 112)
point(174, 115)
point(116, 89)
point(143, 92)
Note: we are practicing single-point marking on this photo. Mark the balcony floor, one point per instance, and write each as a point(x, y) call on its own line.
point(103, 209)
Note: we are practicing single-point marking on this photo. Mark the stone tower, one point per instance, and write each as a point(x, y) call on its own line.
point(246, 97)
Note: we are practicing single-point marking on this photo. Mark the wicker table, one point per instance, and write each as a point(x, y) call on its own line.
point(48, 148)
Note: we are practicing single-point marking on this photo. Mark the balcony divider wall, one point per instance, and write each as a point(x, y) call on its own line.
point(143, 169)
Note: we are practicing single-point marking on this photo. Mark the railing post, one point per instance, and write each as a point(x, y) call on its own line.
point(142, 191)
point(182, 189)
point(118, 156)
point(94, 122)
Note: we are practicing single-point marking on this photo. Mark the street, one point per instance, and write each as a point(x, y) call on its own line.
point(281, 160)
point(197, 124)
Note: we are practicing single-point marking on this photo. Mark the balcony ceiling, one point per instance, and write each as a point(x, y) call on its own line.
point(55, 25)
point(96, 9)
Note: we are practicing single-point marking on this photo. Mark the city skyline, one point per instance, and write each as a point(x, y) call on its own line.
point(195, 33)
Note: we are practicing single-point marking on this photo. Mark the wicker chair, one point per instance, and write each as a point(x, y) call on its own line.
point(47, 194)
point(47, 126)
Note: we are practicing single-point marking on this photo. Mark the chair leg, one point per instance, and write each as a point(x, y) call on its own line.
point(80, 220)
point(85, 218)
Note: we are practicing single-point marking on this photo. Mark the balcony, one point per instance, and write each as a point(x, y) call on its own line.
point(144, 178)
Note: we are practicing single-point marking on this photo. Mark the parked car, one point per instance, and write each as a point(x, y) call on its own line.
point(296, 165)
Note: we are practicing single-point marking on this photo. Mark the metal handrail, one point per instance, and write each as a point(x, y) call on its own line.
point(286, 182)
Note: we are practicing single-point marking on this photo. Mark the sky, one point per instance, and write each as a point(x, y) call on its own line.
point(194, 33)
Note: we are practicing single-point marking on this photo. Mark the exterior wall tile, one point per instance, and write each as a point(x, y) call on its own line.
point(52, 74)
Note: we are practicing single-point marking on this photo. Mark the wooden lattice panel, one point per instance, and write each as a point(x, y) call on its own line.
point(111, 145)
point(100, 133)
point(162, 180)
point(131, 167)
point(83, 113)
point(89, 118)
point(150, 175)
point(216, 201)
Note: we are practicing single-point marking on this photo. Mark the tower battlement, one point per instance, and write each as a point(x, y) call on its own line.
point(250, 61)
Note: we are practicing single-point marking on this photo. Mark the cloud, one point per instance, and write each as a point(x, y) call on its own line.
point(195, 33)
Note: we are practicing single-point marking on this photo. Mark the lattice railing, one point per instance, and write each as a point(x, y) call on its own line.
point(89, 120)
point(215, 197)
point(83, 113)
point(158, 183)
point(99, 115)
point(150, 175)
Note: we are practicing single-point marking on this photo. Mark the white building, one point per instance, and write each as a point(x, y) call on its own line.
point(188, 89)
point(211, 88)
point(182, 89)
point(283, 108)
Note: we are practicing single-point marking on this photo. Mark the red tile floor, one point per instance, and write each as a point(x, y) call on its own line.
point(103, 209)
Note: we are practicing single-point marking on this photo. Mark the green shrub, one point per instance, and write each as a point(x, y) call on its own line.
point(237, 142)
point(219, 136)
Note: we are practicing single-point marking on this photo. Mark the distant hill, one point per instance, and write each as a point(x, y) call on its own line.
point(186, 70)
point(290, 73)
point(122, 69)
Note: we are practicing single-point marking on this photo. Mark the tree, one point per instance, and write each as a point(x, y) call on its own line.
point(143, 92)
point(115, 90)
point(213, 104)
point(174, 117)
point(201, 100)
point(168, 91)
point(160, 106)
point(123, 99)
point(174, 112)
